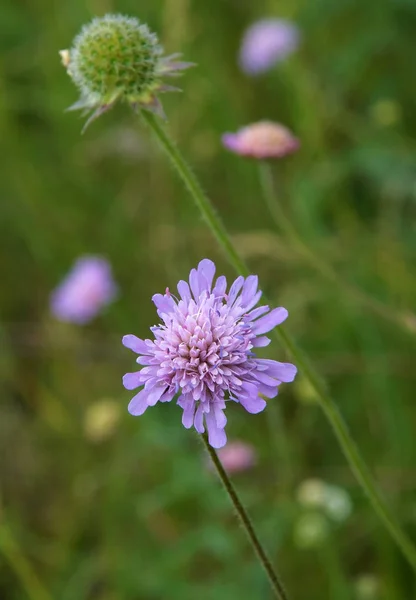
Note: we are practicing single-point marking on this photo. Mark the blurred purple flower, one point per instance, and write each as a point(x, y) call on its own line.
point(237, 456)
point(86, 289)
point(267, 42)
point(261, 140)
point(203, 352)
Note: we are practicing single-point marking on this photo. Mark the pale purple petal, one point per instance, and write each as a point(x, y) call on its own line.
point(199, 419)
point(188, 405)
point(285, 372)
point(194, 283)
point(216, 435)
point(250, 399)
point(261, 341)
point(235, 289)
point(206, 272)
point(164, 303)
point(132, 380)
point(249, 289)
point(265, 324)
point(155, 394)
point(137, 345)
point(220, 287)
point(184, 291)
point(138, 404)
point(257, 312)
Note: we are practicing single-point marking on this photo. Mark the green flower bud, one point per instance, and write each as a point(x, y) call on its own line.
point(118, 58)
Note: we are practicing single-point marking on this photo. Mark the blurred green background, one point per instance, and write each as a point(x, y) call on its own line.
point(95, 504)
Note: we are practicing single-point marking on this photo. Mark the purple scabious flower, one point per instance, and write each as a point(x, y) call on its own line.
point(202, 352)
point(87, 288)
point(265, 43)
point(261, 141)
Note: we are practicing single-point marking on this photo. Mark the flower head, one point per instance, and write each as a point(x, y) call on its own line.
point(261, 140)
point(265, 43)
point(203, 352)
point(87, 288)
point(237, 456)
point(334, 501)
point(118, 58)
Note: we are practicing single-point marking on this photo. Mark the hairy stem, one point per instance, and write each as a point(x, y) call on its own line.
point(329, 407)
point(246, 523)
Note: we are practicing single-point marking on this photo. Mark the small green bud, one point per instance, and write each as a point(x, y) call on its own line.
point(118, 58)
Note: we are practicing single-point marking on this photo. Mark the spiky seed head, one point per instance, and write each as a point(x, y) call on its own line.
point(118, 58)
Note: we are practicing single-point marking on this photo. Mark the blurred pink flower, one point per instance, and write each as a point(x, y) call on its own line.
point(86, 289)
point(265, 43)
point(261, 140)
point(237, 456)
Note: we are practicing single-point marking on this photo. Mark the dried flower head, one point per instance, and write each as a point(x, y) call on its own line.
point(86, 289)
point(118, 58)
point(203, 352)
point(262, 140)
point(265, 43)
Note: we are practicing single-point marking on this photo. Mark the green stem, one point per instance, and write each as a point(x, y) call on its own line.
point(246, 523)
point(324, 269)
point(20, 565)
point(330, 409)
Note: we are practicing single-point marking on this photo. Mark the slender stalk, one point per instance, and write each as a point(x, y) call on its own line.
point(329, 407)
point(20, 565)
point(326, 271)
point(277, 586)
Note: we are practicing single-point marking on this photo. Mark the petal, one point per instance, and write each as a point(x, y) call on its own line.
point(253, 301)
point(132, 380)
point(220, 286)
point(136, 344)
point(168, 395)
point(206, 272)
point(234, 290)
point(249, 289)
point(216, 435)
point(194, 283)
point(184, 291)
point(267, 390)
point(268, 322)
point(257, 312)
point(155, 393)
point(199, 419)
point(250, 399)
point(261, 341)
point(187, 403)
point(285, 372)
point(220, 418)
point(164, 303)
point(138, 403)
point(264, 378)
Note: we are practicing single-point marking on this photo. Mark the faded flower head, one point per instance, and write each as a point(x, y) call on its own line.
point(203, 352)
point(85, 291)
point(311, 530)
point(333, 500)
point(118, 58)
point(237, 456)
point(265, 43)
point(262, 140)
